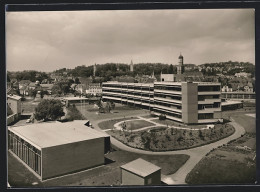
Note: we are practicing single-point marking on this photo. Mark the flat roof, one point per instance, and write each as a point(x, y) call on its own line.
point(141, 167)
point(75, 98)
point(49, 134)
point(230, 102)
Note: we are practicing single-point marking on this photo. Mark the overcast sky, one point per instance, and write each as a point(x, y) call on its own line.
point(47, 41)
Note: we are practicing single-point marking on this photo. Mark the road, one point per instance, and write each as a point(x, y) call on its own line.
point(196, 154)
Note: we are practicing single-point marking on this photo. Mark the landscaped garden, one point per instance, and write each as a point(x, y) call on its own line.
point(163, 138)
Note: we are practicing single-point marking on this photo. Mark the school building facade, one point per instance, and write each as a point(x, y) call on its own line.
point(185, 102)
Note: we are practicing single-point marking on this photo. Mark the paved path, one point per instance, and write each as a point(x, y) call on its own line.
point(155, 124)
point(196, 154)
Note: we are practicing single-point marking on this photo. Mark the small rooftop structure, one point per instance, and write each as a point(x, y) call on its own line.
point(140, 172)
point(141, 167)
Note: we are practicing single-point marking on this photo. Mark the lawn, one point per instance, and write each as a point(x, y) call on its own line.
point(176, 124)
point(137, 124)
point(169, 139)
point(249, 123)
point(229, 164)
point(214, 170)
point(110, 123)
point(29, 106)
point(120, 111)
point(105, 175)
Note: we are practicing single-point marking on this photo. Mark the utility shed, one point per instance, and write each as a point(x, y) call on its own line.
point(55, 148)
point(140, 172)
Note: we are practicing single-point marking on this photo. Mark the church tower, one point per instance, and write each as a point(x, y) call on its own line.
point(131, 66)
point(180, 68)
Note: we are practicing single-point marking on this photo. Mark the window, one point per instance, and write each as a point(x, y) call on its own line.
point(149, 181)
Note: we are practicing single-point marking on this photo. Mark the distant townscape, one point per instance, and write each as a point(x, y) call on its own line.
point(132, 124)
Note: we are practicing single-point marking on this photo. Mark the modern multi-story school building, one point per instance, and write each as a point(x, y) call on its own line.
point(186, 102)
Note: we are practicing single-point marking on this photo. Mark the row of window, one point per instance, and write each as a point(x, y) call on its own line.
point(169, 113)
point(167, 105)
point(129, 87)
point(208, 88)
point(167, 87)
point(238, 96)
point(205, 116)
point(203, 97)
point(145, 96)
point(207, 106)
point(174, 97)
point(25, 151)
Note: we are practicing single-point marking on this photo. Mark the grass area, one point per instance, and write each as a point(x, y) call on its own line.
point(120, 111)
point(110, 123)
point(106, 175)
point(18, 174)
point(168, 163)
point(216, 170)
point(137, 124)
point(231, 163)
point(176, 124)
point(29, 106)
point(249, 123)
point(168, 139)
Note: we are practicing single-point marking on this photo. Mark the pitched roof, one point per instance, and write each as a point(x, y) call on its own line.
point(141, 167)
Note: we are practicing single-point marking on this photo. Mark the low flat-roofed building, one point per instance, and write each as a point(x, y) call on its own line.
point(140, 172)
point(75, 100)
point(55, 148)
point(231, 105)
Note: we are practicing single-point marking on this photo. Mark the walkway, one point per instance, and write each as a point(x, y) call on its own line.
point(117, 125)
point(196, 154)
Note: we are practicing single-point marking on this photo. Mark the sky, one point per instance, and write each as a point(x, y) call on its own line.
point(50, 40)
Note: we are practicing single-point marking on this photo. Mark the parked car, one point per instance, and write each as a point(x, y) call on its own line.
point(28, 121)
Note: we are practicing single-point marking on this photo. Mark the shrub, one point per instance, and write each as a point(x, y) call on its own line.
point(162, 117)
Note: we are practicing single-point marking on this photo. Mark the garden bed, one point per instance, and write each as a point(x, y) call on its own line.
point(169, 139)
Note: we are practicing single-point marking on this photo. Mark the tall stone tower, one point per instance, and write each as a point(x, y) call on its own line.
point(131, 66)
point(94, 70)
point(180, 68)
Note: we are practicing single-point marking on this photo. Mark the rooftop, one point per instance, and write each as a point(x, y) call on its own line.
point(15, 97)
point(230, 102)
point(49, 134)
point(75, 98)
point(141, 167)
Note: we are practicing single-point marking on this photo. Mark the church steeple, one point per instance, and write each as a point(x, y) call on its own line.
point(180, 68)
point(131, 66)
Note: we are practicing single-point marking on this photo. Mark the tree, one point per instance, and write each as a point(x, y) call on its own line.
point(108, 107)
point(49, 109)
point(100, 106)
point(77, 80)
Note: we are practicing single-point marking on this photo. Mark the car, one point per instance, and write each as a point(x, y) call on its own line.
point(28, 121)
